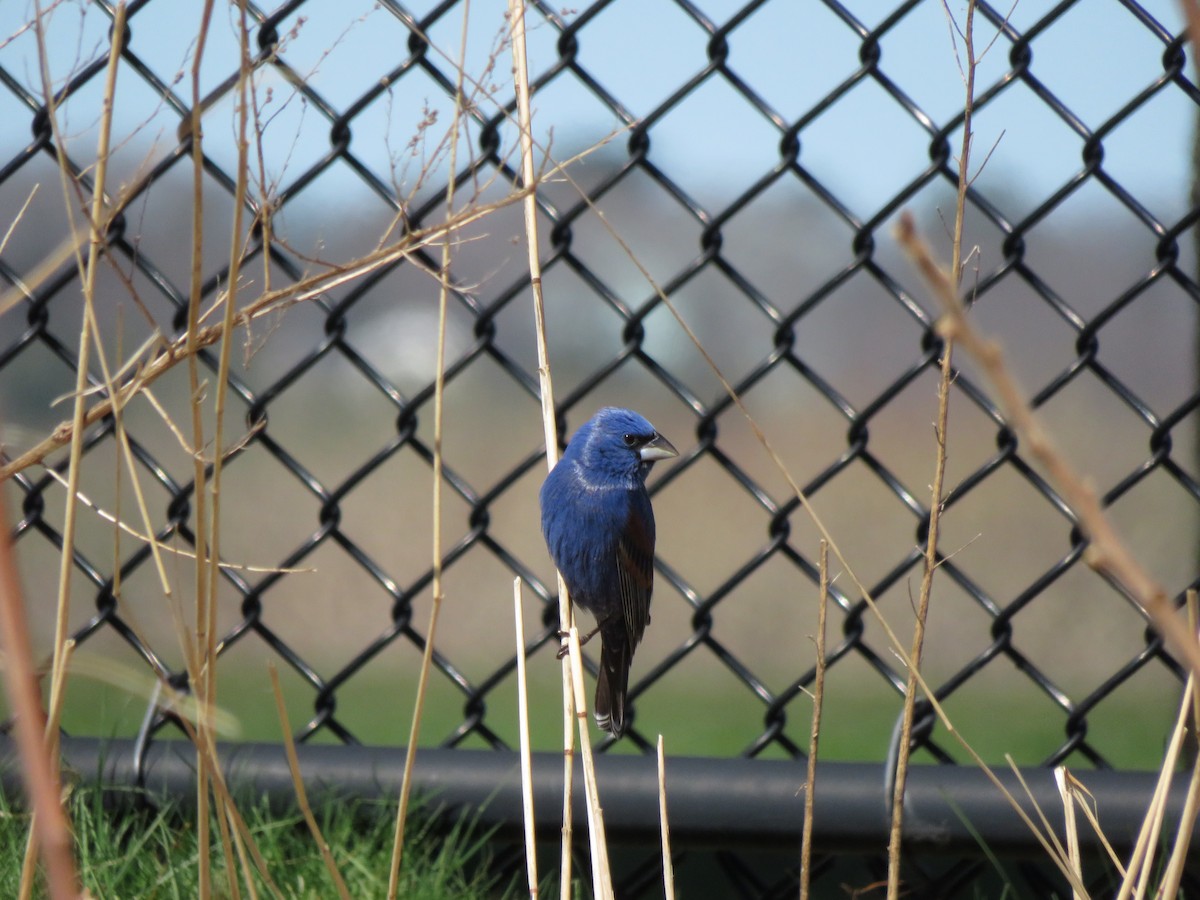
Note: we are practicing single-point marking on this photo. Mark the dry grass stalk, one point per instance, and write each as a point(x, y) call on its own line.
point(88, 272)
point(664, 828)
point(289, 746)
point(1087, 804)
point(571, 693)
point(206, 606)
point(439, 392)
point(1051, 843)
point(199, 492)
point(814, 736)
point(1068, 799)
point(1142, 866)
point(602, 887)
point(526, 756)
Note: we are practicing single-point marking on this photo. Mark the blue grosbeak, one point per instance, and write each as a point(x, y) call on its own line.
point(599, 526)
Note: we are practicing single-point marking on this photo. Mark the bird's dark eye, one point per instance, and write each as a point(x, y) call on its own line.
point(630, 440)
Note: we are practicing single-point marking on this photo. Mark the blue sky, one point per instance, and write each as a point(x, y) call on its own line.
point(1095, 57)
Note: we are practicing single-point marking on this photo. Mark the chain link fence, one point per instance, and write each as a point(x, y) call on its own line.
point(753, 159)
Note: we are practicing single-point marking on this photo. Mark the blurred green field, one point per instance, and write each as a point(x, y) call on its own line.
point(853, 728)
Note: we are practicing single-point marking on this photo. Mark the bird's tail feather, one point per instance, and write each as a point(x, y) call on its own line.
point(612, 684)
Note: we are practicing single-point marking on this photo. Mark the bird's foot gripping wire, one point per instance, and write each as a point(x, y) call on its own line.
point(565, 648)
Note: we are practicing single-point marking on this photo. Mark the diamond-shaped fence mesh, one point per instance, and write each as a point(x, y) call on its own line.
point(752, 161)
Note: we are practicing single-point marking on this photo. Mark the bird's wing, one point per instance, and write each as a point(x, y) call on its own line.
point(635, 567)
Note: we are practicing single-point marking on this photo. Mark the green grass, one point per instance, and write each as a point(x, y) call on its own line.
point(154, 854)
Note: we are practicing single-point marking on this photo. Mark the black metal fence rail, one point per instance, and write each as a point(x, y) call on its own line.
point(950, 811)
point(787, 271)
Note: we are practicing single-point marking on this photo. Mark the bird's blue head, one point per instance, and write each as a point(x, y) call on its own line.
point(618, 444)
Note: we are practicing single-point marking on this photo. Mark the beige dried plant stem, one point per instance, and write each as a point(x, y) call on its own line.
point(1141, 865)
point(289, 746)
point(439, 391)
point(205, 680)
point(1086, 804)
point(516, 13)
point(602, 887)
point(40, 775)
point(814, 736)
point(1108, 554)
point(1169, 887)
point(526, 754)
point(1053, 845)
point(664, 825)
point(199, 493)
point(1067, 794)
point(221, 789)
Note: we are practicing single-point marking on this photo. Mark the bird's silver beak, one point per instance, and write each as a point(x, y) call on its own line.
point(658, 448)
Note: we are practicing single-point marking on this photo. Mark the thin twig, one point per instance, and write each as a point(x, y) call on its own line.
point(1191, 12)
point(12, 226)
point(199, 492)
point(206, 635)
point(122, 525)
point(289, 746)
point(269, 302)
point(918, 642)
point(814, 737)
point(439, 392)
